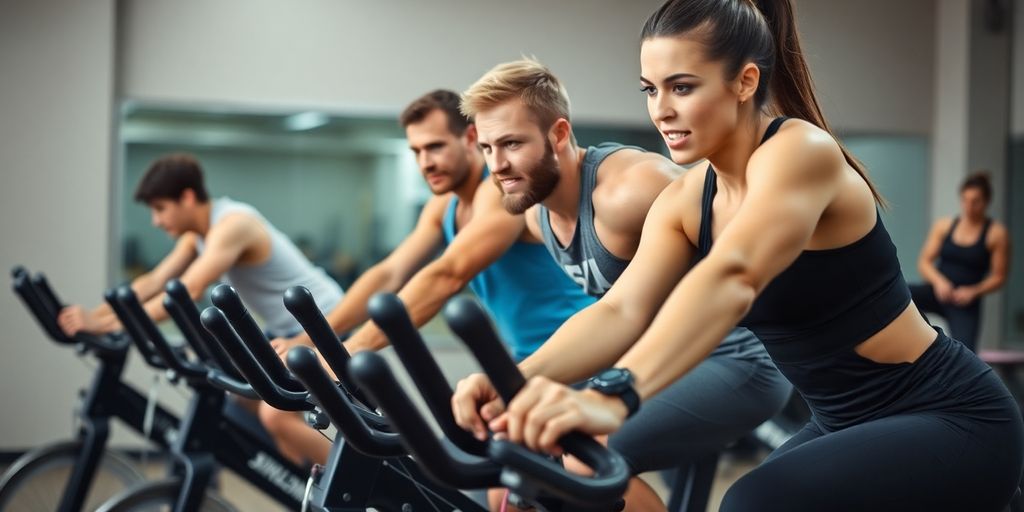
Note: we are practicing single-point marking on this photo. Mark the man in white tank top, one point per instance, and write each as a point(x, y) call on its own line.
point(216, 240)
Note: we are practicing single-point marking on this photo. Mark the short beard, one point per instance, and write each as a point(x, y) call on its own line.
point(542, 177)
point(458, 177)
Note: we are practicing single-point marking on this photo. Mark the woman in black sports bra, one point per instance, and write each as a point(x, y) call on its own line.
point(785, 225)
point(973, 255)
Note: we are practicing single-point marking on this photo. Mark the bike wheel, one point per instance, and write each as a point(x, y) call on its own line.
point(159, 496)
point(36, 481)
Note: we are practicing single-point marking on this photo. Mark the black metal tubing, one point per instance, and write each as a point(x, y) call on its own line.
point(301, 304)
point(365, 439)
point(135, 333)
point(388, 312)
point(438, 461)
point(47, 319)
point(185, 314)
point(173, 359)
point(213, 320)
point(225, 298)
point(221, 372)
point(611, 474)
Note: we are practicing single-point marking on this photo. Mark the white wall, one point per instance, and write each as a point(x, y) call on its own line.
point(874, 71)
point(873, 62)
point(949, 149)
point(56, 96)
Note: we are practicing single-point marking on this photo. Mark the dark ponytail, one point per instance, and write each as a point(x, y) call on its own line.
point(759, 31)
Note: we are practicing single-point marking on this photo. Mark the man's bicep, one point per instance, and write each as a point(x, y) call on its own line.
point(224, 246)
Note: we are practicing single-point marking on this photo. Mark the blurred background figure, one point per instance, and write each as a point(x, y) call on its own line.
point(964, 258)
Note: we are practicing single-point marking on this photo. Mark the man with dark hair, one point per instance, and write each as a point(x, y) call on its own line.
point(169, 177)
point(218, 239)
point(485, 247)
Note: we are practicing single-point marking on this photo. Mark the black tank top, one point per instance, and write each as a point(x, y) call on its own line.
point(826, 300)
point(964, 265)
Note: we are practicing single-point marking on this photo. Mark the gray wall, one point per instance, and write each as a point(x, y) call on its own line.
point(1017, 102)
point(1015, 286)
point(875, 70)
point(56, 96)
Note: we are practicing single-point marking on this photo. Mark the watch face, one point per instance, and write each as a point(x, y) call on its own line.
point(613, 380)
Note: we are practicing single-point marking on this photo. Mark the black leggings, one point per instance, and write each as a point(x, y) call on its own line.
point(962, 457)
point(964, 322)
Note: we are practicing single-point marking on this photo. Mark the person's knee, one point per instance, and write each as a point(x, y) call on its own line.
point(274, 420)
point(750, 493)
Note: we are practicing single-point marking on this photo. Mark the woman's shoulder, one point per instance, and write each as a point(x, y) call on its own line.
point(799, 151)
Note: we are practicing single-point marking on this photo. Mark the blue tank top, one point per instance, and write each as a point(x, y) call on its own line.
point(525, 291)
point(964, 265)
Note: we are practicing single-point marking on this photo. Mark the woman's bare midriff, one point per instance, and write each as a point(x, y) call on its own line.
point(902, 341)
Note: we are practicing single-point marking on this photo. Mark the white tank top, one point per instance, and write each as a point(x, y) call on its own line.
point(261, 287)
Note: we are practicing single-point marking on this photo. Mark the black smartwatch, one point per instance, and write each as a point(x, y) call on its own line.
point(617, 382)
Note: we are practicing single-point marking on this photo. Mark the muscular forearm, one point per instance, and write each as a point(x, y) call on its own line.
point(588, 342)
point(990, 284)
point(930, 273)
point(105, 319)
point(699, 313)
point(146, 287)
point(423, 297)
point(351, 311)
point(155, 308)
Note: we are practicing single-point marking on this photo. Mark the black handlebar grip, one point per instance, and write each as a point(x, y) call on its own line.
point(185, 313)
point(135, 333)
point(224, 382)
point(370, 370)
point(18, 270)
point(467, 318)
point(388, 312)
point(45, 292)
point(178, 303)
point(130, 302)
point(225, 298)
point(367, 440)
point(300, 303)
point(604, 487)
point(470, 322)
point(46, 318)
point(190, 334)
point(213, 320)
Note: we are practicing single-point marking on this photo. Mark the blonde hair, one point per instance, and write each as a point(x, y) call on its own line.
point(527, 80)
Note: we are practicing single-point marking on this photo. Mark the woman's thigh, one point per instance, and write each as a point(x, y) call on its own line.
point(716, 403)
point(907, 462)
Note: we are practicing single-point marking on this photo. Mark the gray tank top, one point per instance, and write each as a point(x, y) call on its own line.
point(261, 287)
point(585, 259)
point(590, 264)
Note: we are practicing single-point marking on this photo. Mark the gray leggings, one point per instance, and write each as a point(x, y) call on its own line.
point(716, 403)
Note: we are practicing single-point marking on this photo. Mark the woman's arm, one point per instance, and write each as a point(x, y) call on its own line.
point(998, 244)
point(597, 336)
point(926, 260)
point(778, 216)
